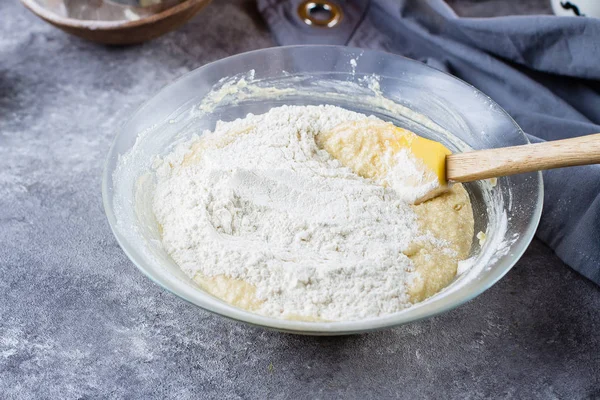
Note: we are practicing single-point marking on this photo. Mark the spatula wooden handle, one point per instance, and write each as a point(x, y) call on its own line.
point(483, 164)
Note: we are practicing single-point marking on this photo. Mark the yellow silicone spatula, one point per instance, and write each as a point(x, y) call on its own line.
point(419, 169)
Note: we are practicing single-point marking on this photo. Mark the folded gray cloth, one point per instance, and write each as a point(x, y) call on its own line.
point(542, 69)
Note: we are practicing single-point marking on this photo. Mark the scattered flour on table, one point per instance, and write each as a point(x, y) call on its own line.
point(258, 201)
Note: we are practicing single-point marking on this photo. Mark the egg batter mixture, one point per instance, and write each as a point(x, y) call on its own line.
point(311, 212)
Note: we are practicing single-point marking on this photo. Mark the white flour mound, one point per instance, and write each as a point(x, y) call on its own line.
point(274, 210)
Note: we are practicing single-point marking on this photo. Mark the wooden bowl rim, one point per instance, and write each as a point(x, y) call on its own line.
point(42, 12)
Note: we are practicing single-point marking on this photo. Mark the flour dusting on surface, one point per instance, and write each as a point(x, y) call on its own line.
point(257, 200)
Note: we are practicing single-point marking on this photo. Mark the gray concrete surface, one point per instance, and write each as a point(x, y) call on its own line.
point(78, 321)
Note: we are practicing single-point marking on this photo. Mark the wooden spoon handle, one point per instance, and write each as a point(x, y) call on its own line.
point(483, 164)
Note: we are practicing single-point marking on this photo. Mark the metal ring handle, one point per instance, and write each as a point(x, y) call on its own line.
point(307, 11)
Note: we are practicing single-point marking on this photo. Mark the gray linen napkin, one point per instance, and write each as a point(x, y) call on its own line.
point(542, 69)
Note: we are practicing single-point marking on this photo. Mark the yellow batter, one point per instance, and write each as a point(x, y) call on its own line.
point(368, 147)
point(367, 150)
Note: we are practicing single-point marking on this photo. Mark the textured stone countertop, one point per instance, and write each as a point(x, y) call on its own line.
point(78, 320)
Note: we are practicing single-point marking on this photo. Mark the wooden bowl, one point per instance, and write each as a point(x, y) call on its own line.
point(123, 31)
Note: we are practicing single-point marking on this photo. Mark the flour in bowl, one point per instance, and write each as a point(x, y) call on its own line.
point(260, 215)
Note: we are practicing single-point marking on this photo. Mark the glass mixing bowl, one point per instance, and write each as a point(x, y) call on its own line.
point(397, 89)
